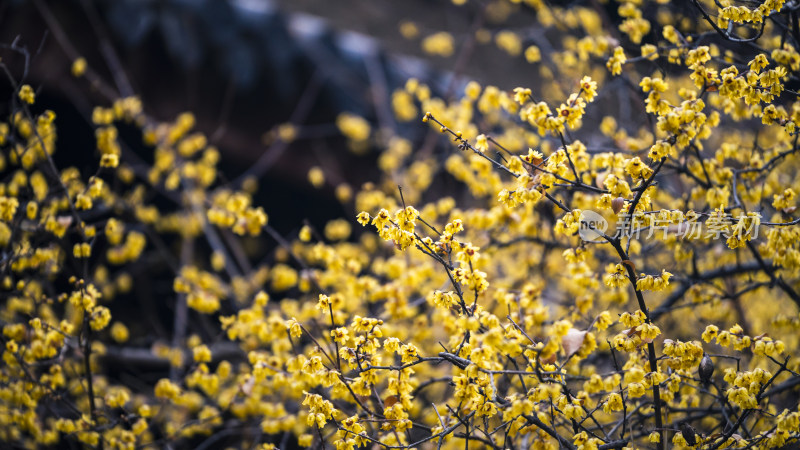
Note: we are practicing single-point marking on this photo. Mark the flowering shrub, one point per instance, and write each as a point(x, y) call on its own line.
point(482, 316)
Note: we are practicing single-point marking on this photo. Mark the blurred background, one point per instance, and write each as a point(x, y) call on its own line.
point(247, 68)
point(266, 82)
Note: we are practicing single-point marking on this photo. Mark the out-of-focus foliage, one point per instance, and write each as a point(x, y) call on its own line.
point(474, 309)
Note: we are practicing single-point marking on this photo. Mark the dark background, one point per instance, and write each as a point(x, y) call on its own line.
point(243, 67)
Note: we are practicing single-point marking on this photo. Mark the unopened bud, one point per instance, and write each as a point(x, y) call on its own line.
point(688, 433)
point(617, 204)
point(706, 369)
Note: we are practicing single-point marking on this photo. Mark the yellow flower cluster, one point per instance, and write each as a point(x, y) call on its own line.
point(471, 310)
point(233, 210)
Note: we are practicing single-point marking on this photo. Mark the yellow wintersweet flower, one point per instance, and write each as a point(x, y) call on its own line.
point(439, 44)
point(316, 177)
point(532, 54)
point(509, 42)
point(588, 88)
point(616, 61)
point(78, 67)
point(119, 332)
point(26, 94)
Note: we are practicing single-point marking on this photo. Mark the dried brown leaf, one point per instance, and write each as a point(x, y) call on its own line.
point(389, 401)
point(572, 341)
point(629, 263)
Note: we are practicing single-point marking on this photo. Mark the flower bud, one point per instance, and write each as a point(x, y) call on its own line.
point(706, 369)
point(617, 204)
point(688, 433)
